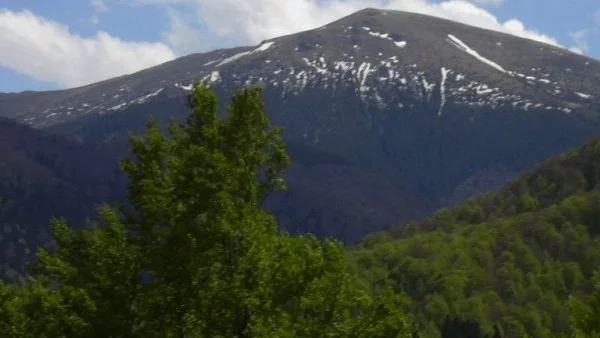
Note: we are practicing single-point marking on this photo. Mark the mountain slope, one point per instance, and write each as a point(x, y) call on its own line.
point(44, 176)
point(425, 57)
point(52, 174)
point(440, 109)
point(56, 176)
point(512, 257)
point(574, 172)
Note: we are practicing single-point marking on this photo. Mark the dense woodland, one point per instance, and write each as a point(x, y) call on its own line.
point(195, 254)
point(513, 257)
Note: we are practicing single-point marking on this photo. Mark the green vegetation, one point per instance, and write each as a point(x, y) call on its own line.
point(512, 258)
point(585, 313)
point(197, 256)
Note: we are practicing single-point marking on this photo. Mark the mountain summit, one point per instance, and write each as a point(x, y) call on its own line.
point(425, 107)
point(434, 61)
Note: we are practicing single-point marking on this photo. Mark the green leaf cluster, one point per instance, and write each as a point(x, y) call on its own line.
point(197, 255)
point(512, 258)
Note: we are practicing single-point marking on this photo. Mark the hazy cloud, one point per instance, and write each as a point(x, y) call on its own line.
point(582, 37)
point(256, 20)
point(99, 6)
point(488, 2)
point(581, 41)
point(48, 51)
point(181, 34)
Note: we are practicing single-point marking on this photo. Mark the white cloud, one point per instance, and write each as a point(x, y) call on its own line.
point(181, 35)
point(581, 38)
point(48, 51)
point(577, 50)
point(99, 6)
point(488, 2)
point(256, 20)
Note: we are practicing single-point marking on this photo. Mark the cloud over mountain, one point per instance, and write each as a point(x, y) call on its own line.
point(48, 51)
point(256, 20)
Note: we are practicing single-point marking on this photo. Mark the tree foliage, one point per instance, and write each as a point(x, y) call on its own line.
point(585, 312)
point(197, 255)
point(511, 258)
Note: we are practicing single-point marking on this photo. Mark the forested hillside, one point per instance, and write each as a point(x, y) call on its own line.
point(36, 165)
point(64, 176)
point(513, 257)
point(195, 253)
point(44, 176)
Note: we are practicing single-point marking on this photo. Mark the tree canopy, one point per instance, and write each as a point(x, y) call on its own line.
point(197, 255)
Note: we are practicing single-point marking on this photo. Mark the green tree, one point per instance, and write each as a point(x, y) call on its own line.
point(85, 289)
point(585, 313)
point(197, 255)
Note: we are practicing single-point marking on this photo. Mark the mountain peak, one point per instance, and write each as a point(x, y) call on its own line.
point(391, 59)
point(413, 102)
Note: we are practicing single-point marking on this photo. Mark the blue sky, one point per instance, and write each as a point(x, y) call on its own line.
point(66, 43)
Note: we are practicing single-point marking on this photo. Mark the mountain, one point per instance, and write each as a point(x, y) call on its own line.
point(513, 258)
point(44, 176)
point(59, 176)
point(369, 52)
point(53, 175)
point(422, 112)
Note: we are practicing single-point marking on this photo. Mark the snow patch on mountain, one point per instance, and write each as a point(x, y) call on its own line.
point(187, 87)
point(483, 90)
point(363, 72)
point(463, 46)
point(263, 47)
point(117, 107)
point(214, 76)
point(428, 87)
point(583, 95)
point(385, 36)
point(146, 97)
point(232, 58)
point(375, 78)
point(445, 73)
point(319, 65)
